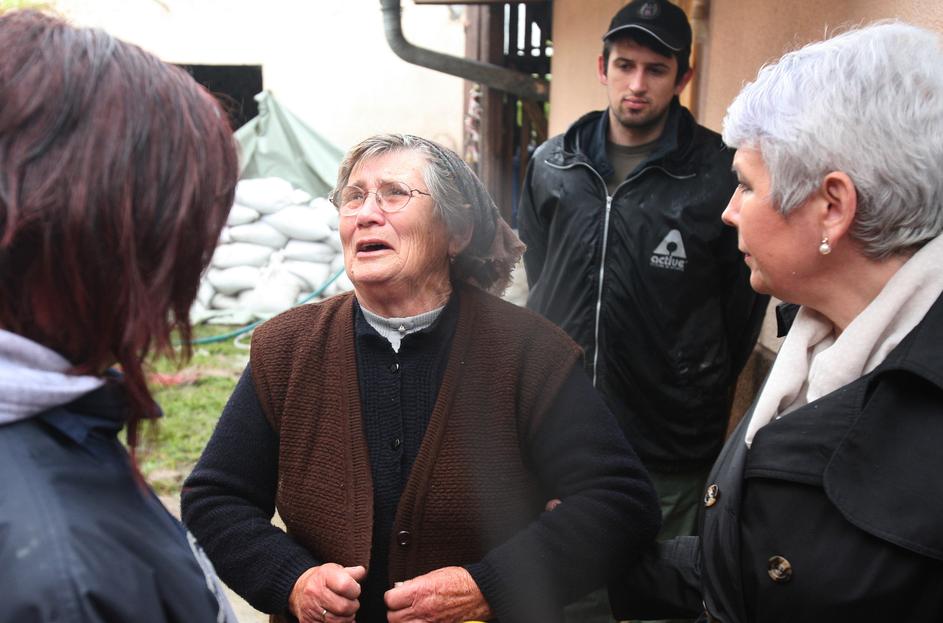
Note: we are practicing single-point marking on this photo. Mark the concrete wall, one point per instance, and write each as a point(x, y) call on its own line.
point(327, 61)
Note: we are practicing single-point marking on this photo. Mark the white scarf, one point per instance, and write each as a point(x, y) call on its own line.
point(812, 362)
point(33, 379)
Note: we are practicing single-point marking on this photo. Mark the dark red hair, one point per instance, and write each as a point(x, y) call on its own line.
point(116, 175)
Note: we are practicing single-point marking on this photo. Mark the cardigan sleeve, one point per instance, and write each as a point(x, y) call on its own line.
point(229, 499)
point(609, 510)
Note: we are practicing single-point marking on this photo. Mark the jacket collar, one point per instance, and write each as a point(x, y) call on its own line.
point(585, 141)
point(920, 352)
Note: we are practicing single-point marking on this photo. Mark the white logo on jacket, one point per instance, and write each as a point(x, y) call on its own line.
point(670, 252)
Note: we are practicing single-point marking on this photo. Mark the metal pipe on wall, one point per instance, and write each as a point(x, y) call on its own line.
point(515, 82)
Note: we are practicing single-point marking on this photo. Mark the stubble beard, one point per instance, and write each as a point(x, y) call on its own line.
point(642, 123)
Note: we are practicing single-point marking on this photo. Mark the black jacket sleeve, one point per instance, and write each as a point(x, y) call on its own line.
point(532, 229)
point(229, 500)
point(665, 583)
point(609, 511)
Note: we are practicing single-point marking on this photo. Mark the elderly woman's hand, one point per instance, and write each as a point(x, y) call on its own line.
point(447, 595)
point(328, 592)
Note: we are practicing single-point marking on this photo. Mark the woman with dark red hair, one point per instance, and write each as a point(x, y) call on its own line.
point(116, 175)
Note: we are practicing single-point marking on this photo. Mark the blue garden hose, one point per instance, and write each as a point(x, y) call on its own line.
point(210, 339)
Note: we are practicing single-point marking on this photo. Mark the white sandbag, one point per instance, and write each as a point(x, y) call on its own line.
point(313, 274)
point(326, 211)
point(240, 215)
point(300, 197)
point(205, 294)
point(264, 194)
point(337, 263)
point(309, 251)
point(224, 237)
point(259, 232)
point(277, 291)
point(335, 241)
point(198, 313)
point(233, 280)
point(240, 254)
point(224, 301)
point(299, 222)
point(343, 284)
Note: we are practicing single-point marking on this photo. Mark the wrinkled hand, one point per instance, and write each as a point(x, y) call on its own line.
point(328, 587)
point(447, 595)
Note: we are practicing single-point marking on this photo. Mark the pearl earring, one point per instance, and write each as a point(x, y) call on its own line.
point(825, 248)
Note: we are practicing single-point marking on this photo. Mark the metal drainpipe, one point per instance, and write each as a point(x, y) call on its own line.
point(517, 83)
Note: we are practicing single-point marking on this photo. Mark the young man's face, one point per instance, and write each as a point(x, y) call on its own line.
point(640, 84)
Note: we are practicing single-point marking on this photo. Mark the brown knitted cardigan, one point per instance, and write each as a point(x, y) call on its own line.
point(470, 488)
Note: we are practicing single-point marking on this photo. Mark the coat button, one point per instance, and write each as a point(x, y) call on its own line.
point(710, 498)
point(779, 569)
point(402, 537)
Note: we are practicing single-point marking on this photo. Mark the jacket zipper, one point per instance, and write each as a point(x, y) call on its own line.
point(605, 240)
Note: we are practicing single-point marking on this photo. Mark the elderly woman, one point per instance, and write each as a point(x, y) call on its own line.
point(116, 175)
point(411, 432)
point(826, 503)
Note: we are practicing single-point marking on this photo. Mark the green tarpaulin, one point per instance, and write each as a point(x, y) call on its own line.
point(276, 143)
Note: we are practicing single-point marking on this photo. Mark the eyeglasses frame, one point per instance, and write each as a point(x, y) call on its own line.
point(380, 204)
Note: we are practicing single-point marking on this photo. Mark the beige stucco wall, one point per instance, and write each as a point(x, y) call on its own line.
point(578, 26)
point(326, 61)
point(744, 34)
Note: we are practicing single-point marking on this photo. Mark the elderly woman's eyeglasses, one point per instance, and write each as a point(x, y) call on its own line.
point(391, 197)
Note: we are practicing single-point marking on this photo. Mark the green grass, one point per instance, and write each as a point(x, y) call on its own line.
point(192, 397)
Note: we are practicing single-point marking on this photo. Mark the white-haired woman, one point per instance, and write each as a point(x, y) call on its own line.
point(410, 433)
point(827, 503)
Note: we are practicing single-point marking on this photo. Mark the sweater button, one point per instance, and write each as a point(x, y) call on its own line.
point(394, 367)
point(779, 569)
point(402, 538)
point(396, 443)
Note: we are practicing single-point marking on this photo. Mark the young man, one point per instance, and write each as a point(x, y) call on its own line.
point(627, 253)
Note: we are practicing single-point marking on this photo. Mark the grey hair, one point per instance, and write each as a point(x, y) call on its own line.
point(869, 103)
point(450, 203)
point(461, 202)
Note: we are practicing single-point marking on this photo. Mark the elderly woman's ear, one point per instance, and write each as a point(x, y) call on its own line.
point(838, 203)
point(460, 240)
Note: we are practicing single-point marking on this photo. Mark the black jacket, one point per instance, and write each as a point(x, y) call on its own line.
point(834, 514)
point(81, 540)
point(649, 281)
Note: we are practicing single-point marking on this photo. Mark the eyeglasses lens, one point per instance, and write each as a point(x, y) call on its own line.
point(391, 196)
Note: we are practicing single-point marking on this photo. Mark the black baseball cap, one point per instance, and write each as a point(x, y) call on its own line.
point(661, 19)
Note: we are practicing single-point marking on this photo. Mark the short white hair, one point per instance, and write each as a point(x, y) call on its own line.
point(869, 103)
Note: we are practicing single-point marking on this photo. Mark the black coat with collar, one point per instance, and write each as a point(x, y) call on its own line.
point(834, 514)
point(648, 281)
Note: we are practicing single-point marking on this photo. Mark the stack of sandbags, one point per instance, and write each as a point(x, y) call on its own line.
point(278, 246)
